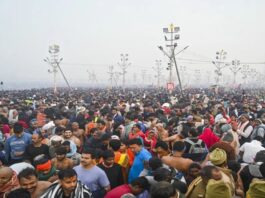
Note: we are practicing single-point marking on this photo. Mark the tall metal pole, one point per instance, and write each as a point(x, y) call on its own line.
point(180, 85)
point(219, 64)
point(55, 64)
point(171, 52)
point(124, 64)
point(245, 72)
point(172, 30)
point(143, 76)
point(2, 86)
point(158, 72)
point(235, 68)
point(54, 81)
point(182, 73)
point(111, 73)
point(65, 79)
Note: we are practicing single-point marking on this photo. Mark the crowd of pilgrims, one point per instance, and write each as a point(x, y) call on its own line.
point(206, 143)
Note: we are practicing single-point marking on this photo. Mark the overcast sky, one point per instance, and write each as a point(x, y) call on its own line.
point(93, 33)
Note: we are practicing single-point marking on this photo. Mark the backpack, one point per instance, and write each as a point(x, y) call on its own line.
point(255, 135)
point(196, 147)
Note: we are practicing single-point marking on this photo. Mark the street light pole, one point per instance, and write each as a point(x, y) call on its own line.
point(65, 79)
point(124, 64)
point(219, 64)
point(182, 73)
point(172, 57)
point(180, 85)
point(235, 68)
point(172, 30)
point(143, 77)
point(245, 72)
point(55, 64)
point(2, 86)
point(111, 73)
point(158, 72)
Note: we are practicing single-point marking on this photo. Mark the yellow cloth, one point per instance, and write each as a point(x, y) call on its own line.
point(218, 156)
point(218, 189)
point(256, 189)
point(196, 189)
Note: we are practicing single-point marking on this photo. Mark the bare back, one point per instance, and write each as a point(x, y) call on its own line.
point(42, 186)
point(179, 163)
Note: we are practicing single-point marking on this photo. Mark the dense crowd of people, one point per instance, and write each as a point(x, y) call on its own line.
point(206, 143)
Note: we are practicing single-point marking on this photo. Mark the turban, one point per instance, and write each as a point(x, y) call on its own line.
point(256, 189)
point(226, 128)
point(45, 166)
point(218, 189)
point(56, 138)
point(218, 156)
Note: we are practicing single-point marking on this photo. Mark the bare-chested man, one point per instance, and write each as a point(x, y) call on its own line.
point(176, 160)
point(68, 135)
point(28, 180)
point(61, 162)
point(79, 133)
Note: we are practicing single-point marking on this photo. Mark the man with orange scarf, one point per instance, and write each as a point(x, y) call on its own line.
point(46, 171)
point(8, 180)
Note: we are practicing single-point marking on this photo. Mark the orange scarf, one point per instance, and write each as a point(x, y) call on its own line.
point(13, 183)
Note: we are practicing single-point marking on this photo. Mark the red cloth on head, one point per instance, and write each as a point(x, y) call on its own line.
point(44, 167)
point(208, 137)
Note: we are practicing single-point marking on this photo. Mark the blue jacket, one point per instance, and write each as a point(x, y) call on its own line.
point(138, 164)
point(16, 144)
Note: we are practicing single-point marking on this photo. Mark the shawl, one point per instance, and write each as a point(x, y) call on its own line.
point(13, 183)
point(56, 191)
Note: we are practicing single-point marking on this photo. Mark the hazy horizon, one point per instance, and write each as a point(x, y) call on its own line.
point(92, 35)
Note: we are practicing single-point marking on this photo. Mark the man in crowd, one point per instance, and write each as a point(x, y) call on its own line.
point(162, 149)
point(198, 187)
point(67, 186)
point(252, 171)
point(28, 180)
point(164, 190)
point(15, 145)
point(259, 130)
point(136, 187)
point(249, 150)
point(176, 160)
point(244, 129)
point(79, 133)
point(112, 170)
point(46, 170)
point(8, 180)
point(91, 175)
point(61, 162)
point(68, 135)
point(36, 148)
point(141, 156)
point(225, 144)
